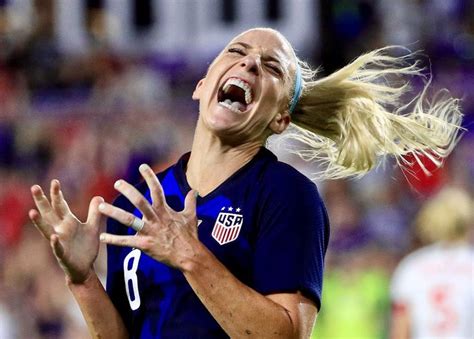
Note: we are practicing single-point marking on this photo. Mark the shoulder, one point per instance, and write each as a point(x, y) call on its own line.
point(123, 203)
point(417, 257)
point(281, 170)
point(282, 179)
point(142, 186)
point(408, 270)
point(288, 195)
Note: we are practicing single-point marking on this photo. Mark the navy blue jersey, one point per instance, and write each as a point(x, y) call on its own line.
point(266, 224)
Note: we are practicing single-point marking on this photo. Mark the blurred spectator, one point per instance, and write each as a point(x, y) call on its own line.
point(14, 204)
point(432, 288)
point(347, 230)
point(356, 290)
point(7, 330)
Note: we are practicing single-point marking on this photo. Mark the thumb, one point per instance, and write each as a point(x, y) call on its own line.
point(57, 247)
point(94, 216)
point(190, 203)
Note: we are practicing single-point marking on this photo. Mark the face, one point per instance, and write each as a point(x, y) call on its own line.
point(245, 93)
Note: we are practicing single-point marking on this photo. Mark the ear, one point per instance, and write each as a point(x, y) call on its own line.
point(280, 122)
point(197, 90)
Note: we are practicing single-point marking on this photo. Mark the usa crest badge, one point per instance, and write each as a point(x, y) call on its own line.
point(227, 226)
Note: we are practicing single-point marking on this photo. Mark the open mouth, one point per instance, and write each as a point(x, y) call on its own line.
point(235, 94)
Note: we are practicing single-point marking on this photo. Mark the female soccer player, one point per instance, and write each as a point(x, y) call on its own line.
point(245, 256)
point(432, 289)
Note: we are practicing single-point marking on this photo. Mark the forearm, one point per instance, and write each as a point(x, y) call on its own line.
point(239, 310)
point(102, 318)
point(400, 322)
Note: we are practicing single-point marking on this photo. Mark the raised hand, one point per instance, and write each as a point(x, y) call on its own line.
point(167, 235)
point(75, 244)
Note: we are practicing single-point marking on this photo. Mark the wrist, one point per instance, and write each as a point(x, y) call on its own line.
point(86, 280)
point(194, 258)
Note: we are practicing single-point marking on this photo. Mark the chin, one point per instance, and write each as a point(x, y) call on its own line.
point(222, 121)
point(222, 128)
point(225, 130)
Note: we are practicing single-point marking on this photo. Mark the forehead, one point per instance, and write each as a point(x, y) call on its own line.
point(267, 42)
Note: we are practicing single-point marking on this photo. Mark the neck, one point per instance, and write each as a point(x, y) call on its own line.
point(212, 161)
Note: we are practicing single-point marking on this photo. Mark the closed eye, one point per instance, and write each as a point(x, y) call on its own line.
point(275, 69)
point(236, 50)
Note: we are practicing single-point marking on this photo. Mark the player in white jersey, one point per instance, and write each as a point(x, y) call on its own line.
point(433, 288)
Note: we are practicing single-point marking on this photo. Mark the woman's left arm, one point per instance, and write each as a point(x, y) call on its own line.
point(243, 312)
point(171, 238)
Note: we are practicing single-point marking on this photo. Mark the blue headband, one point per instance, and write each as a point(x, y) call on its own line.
point(298, 89)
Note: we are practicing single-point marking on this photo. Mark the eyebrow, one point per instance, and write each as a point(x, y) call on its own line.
point(266, 57)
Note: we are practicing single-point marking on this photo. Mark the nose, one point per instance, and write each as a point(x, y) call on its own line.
point(251, 63)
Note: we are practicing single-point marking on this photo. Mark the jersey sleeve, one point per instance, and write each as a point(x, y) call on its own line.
point(401, 282)
point(292, 240)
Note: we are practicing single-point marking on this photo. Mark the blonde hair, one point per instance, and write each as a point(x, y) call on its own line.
point(350, 120)
point(446, 217)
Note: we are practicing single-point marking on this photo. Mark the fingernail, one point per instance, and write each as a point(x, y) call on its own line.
point(143, 167)
point(117, 183)
point(196, 194)
point(101, 206)
point(102, 237)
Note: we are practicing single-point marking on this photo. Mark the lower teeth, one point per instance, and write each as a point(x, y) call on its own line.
point(234, 106)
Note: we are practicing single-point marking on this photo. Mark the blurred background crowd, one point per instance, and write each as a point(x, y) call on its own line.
point(87, 108)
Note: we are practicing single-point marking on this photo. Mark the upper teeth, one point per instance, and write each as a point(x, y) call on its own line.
point(241, 84)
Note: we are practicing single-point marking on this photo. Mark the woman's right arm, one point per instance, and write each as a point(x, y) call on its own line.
point(102, 318)
point(75, 245)
point(400, 321)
